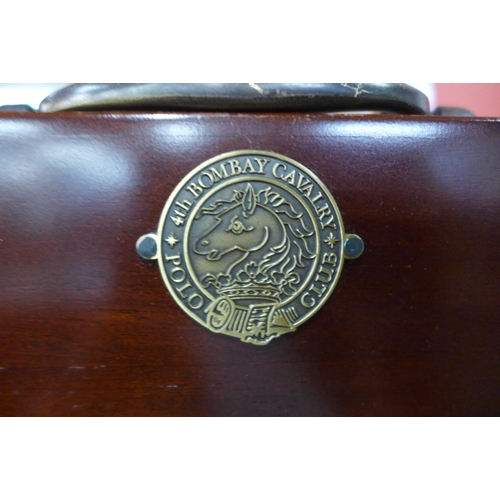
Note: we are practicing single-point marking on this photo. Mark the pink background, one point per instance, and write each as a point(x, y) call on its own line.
point(483, 99)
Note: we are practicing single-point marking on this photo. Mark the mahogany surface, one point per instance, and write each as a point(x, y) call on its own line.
point(87, 327)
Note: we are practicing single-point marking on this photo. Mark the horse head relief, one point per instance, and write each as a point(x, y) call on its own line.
point(253, 237)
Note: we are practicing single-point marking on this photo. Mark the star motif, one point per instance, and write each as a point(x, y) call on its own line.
point(331, 240)
point(172, 240)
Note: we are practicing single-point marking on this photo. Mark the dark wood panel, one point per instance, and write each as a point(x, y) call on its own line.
point(88, 328)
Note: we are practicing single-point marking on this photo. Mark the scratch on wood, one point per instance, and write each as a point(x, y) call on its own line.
point(76, 367)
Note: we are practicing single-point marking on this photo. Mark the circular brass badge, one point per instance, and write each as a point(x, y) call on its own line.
point(250, 244)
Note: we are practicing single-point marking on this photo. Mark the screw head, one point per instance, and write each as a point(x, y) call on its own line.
point(147, 247)
point(353, 246)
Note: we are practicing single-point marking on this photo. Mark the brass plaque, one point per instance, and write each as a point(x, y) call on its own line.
point(250, 244)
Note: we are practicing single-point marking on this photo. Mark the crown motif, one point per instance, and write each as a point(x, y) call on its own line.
point(268, 293)
point(251, 282)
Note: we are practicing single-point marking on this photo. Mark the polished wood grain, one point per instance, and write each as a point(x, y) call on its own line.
point(88, 328)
